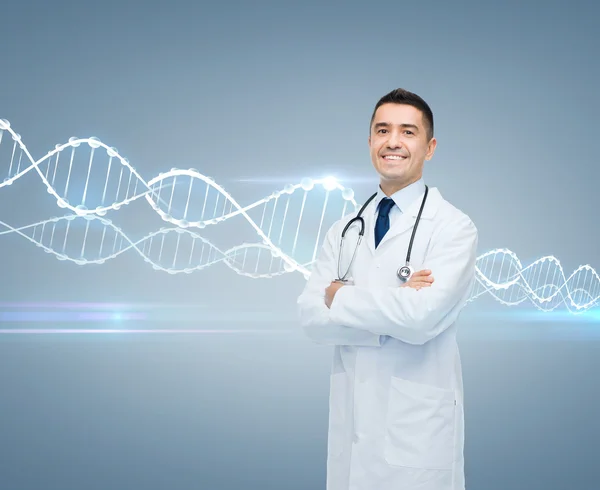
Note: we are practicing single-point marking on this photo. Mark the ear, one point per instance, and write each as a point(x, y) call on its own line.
point(431, 148)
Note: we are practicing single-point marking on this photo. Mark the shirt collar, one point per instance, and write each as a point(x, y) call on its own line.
point(404, 197)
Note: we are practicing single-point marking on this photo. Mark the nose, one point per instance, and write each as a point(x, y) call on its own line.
point(394, 141)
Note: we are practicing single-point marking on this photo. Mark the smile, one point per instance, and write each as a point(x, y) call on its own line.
point(394, 157)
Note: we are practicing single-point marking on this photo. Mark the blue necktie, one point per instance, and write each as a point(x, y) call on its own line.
point(383, 219)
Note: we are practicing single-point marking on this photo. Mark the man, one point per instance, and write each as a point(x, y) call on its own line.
point(396, 419)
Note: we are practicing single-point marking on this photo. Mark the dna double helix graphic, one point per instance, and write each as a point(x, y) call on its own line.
point(183, 197)
point(89, 179)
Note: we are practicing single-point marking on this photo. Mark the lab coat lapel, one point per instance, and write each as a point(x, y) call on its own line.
point(407, 220)
point(370, 231)
point(404, 223)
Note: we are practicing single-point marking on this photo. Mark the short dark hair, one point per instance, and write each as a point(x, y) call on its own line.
point(401, 96)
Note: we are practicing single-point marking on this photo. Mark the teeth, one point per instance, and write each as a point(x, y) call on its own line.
point(393, 157)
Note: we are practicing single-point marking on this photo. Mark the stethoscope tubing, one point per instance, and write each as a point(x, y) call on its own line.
point(358, 218)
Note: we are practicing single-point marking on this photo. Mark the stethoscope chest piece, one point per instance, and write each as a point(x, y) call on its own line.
point(405, 272)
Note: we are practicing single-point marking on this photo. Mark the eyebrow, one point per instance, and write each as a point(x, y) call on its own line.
point(387, 125)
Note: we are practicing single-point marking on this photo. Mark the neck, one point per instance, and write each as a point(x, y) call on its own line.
point(390, 187)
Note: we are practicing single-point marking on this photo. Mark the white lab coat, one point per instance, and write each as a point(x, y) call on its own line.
point(396, 419)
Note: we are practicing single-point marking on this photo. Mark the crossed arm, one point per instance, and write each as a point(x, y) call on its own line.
point(419, 279)
point(335, 314)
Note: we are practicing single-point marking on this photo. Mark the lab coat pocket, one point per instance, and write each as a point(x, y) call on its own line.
point(337, 414)
point(420, 426)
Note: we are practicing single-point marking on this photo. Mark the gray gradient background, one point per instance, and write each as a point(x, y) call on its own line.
point(273, 92)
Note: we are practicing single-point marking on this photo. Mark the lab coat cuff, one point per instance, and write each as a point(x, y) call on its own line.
point(349, 335)
point(352, 307)
point(344, 296)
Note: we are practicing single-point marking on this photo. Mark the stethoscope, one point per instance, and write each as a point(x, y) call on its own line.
point(404, 272)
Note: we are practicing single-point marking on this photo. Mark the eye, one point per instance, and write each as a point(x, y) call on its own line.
point(382, 130)
point(409, 132)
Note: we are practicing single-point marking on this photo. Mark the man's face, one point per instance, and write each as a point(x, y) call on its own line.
point(399, 145)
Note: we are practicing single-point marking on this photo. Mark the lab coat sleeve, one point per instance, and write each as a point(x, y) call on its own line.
point(314, 313)
point(410, 315)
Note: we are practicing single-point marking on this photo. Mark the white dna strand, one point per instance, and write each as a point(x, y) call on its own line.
point(89, 178)
point(92, 239)
point(543, 283)
point(103, 180)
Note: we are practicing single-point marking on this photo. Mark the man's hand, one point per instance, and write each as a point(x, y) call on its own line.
point(420, 279)
point(330, 292)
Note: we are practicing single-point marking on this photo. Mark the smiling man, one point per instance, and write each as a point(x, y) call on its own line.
point(396, 418)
